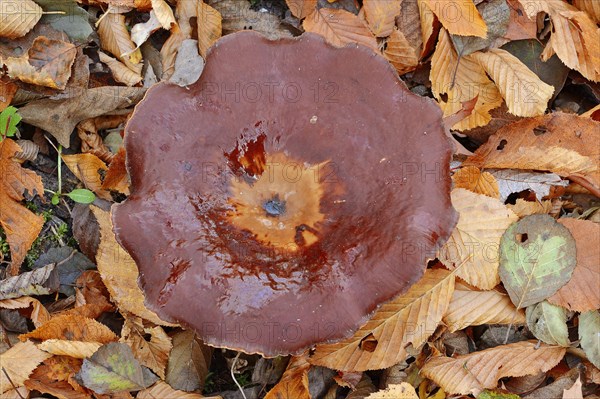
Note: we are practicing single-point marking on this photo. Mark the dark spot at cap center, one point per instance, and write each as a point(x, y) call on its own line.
point(274, 207)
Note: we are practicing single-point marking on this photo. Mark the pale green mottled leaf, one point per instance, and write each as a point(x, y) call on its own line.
point(548, 323)
point(113, 368)
point(537, 257)
point(486, 394)
point(589, 335)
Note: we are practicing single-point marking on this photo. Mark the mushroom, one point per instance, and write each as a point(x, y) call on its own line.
point(284, 196)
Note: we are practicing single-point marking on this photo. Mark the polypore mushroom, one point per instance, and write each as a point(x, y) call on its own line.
point(279, 200)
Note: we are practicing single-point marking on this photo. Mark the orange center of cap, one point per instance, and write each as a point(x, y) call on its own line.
point(281, 205)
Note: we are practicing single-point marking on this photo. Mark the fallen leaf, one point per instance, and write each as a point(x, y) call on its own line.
point(517, 180)
point(537, 257)
point(430, 26)
point(525, 208)
point(150, 345)
point(72, 328)
point(163, 13)
point(548, 323)
point(239, 15)
point(20, 225)
point(142, 31)
point(496, 15)
point(381, 15)
point(87, 167)
point(209, 27)
point(400, 53)
point(115, 38)
point(301, 8)
point(54, 377)
point(70, 263)
point(113, 369)
point(339, 27)
point(581, 293)
point(42, 281)
point(294, 382)
point(470, 374)
point(473, 179)
point(561, 143)
point(19, 393)
point(39, 315)
point(119, 272)
point(589, 335)
point(472, 248)
point(162, 390)
point(18, 18)
point(456, 80)
point(382, 341)
point(472, 307)
point(524, 92)
point(59, 117)
point(591, 7)
point(459, 17)
point(18, 363)
point(396, 391)
point(574, 392)
point(66, 16)
point(189, 362)
point(520, 27)
point(116, 177)
point(75, 349)
point(120, 71)
point(188, 64)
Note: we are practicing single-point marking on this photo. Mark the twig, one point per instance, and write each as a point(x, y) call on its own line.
point(12, 383)
point(233, 376)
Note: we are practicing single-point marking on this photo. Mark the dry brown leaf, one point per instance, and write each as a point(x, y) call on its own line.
point(39, 315)
point(152, 352)
point(339, 27)
point(473, 179)
point(56, 377)
point(209, 27)
point(381, 15)
point(520, 27)
point(119, 272)
point(294, 382)
point(19, 362)
point(591, 7)
point(116, 177)
point(524, 92)
point(162, 390)
point(396, 391)
point(459, 17)
point(581, 293)
point(561, 143)
point(455, 81)
point(20, 225)
point(472, 307)
point(400, 53)
point(115, 38)
point(525, 208)
point(575, 37)
point(18, 18)
point(382, 341)
point(473, 246)
point(8, 88)
point(163, 13)
point(239, 15)
point(301, 8)
point(430, 26)
point(470, 374)
point(87, 167)
point(76, 349)
point(120, 71)
point(72, 328)
point(47, 63)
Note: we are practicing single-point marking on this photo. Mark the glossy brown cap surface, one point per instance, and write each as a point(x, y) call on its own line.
point(279, 200)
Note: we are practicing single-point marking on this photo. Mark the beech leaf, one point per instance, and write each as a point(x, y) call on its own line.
point(19, 362)
point(589, 335)
point(548, 323)
point(339, 27)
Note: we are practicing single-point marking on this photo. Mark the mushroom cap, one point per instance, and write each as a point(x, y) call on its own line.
point(280, 199)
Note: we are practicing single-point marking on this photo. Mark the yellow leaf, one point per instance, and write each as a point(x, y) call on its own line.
point(72, 327)
point(473, 246)
point(301, 8)
point(396, 391)
point(454, 81)
point(382, 341)
point(163, 13)
point(459, 17)
point(115, 39)
point(18, 17)
point(120, 71)
point(524, 92)
point(381, 15)
point(470, 374)
point(294, 382)
point(19, 362)
point(472, 307)
point(591, 7)
point(339, 27)
point(119, 272)
point(473, 179)
point(87, 167)
point(209, 27)
point(76, 349)
point(525, 208)
point(400, 53)
point(427, 22)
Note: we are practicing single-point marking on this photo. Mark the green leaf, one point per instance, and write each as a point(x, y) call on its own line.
point(548, 323)
point(82, 196)
point(589, 335)
point(487, 394)
point(537, 257)
point(113, 368)
point(9, 118)
point(55, 199)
